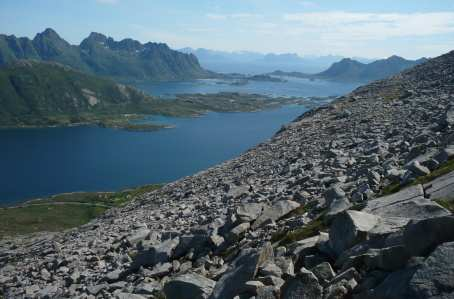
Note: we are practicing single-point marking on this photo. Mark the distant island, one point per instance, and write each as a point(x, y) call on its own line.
point(349, 70)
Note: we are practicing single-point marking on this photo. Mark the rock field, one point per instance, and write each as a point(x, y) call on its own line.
point(299, 216)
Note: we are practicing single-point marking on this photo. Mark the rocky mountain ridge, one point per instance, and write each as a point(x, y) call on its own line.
point(300, 216)
point(126, 60)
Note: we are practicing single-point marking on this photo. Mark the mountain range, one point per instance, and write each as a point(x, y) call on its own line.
point(125, 60)
point(256, 63)
point(350, 70)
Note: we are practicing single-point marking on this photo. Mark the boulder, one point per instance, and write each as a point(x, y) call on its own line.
point(128, 296)
point(333, 193)
point(352, 227)
point(276, 211)
point(324, 272)
point(421, 237)
point(197, 243)
point(417, 169)
point(189, 286)
point(441, 188)
point(337, 206)
point(408, 203)
point(138, 235)
point(304, 285)
point(243, 269)
point(238, 232)
point(248, 212)
point(435, 277)
point(156, 254)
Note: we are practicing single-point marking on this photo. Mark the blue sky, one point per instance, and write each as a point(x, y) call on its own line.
point(367, 28)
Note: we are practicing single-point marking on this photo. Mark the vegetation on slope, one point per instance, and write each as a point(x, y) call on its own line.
point(63, 211)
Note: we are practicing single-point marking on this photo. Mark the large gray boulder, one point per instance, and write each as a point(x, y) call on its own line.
point(337, 206)
point(421, 237)
point(243, 269)
point(441, 188)
point(352, 227)
point(304, 285)
point(429, 279)
point(248, 212)
point(189, 286)
point(197, 243)
point(435, 278)
point(276, 211)
point(156, 254)
point(408, 203)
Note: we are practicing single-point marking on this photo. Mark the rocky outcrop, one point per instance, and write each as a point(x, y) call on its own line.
point(299, 216)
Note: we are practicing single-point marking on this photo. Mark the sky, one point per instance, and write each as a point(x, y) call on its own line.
point(364, 28)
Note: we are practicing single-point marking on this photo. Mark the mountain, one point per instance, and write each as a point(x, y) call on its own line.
point(257, 63)
point(34, 93)
point(350, 70)
point(97, 54)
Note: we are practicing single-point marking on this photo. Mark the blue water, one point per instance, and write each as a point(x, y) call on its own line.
point(293, 87)
point(41, 162)
point(47, 161)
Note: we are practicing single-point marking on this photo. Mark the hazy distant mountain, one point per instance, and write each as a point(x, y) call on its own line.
point(350, 70)
point(257, 63)
point(125, 60)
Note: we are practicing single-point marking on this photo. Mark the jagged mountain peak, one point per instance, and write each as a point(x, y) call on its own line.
point(127, 59)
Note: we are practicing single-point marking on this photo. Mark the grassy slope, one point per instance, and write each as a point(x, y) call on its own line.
point(35, 93)
point(63, 211)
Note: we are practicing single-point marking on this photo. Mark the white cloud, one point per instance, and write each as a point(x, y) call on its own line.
point(372, 25)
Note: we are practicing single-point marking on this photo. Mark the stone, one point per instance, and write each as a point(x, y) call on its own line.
point(189, 286)
point(252, 287)
point(333, 193)
point(303, 286)
point(197, 243)
point(421, 237)
point(248, 212)
point(156, 254)
point(417, 168)
point(243, 269)
point(96, 289)
point(276, 211)
point(408, 203)
point(324, 272)
point(388, 259)
point(114, 275)
point(337, 206)
point(160, 270)
point(128, 296)
point(434, 279)
point(350, 228)
point(238, 232)
point(147, 288)
point(271, 269)
point(267, 292)
point(441, 188)
point(139, 235)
